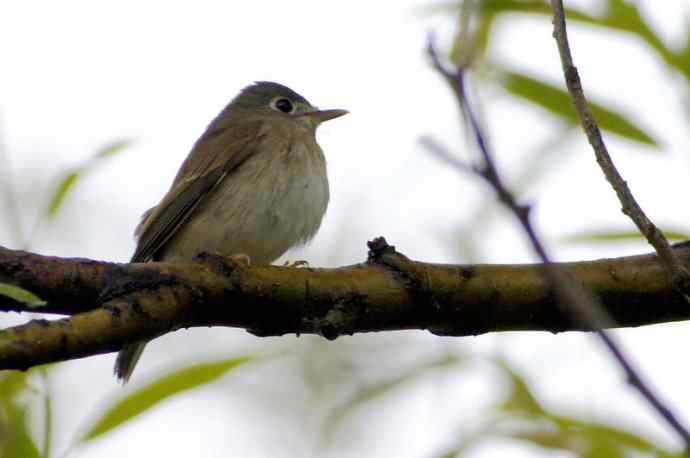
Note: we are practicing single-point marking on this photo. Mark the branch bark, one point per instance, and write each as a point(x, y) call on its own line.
point(114, 304)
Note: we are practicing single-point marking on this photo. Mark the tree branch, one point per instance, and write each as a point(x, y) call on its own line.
point(678, 274)
point(579, 301)
point(115, 304)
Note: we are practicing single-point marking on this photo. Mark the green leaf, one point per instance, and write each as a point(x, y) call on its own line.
point(492, 9)
point(683, 57)
point(368, 393)
point(522, 417)
point(597, 434)
point(113, 148)
point(625, 16)
point(578, 442)
point(21, 295)
point(167, 386)
point(521, 400)
point(15, 439)
point(557, 101)
point(72, 176)
point(60, 193)
point(585, 438)
point(619, 15)
point(11, 383)
point(547, 429)
point(616, 235)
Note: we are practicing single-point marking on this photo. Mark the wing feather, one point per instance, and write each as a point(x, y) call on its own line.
point(215, 156)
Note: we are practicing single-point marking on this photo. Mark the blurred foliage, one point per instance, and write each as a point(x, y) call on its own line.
point(477, 24)
point(620, 235)
point(21, 295)
point(16, 439)
point(532, 89)
point(147, 397)
point(551, 430)
point(70, 178)
point(15, 436)
point(381, 388)
point(523, 418)
point(557, 102)
point(615, 16)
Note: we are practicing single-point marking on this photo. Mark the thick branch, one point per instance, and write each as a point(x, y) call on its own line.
point(389, 292)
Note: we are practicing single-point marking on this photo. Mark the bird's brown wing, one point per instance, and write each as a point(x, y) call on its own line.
point(211, 160)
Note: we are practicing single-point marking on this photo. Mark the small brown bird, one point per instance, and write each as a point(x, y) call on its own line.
point(254, 184)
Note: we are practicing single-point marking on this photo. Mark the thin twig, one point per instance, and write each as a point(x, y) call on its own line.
point(674, 269)
point(581, 303)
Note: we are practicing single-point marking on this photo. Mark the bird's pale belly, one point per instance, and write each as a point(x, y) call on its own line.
point(236, 218)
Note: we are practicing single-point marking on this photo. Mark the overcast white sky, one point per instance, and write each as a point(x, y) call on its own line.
point(78, 74)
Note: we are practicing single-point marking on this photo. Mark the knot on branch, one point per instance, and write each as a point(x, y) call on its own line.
point(341, 319)
point(381, 253)
point(414, 275)
point(378, 248)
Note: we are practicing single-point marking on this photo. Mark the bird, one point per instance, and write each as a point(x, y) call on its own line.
point(253, 186)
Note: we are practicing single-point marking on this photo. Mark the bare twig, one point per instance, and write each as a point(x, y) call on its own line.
point(675, 270)
point(580, 302)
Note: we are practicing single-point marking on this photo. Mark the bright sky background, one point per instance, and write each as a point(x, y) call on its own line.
point(76, 75)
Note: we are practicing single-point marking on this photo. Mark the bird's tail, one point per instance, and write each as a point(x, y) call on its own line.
point(126, 360)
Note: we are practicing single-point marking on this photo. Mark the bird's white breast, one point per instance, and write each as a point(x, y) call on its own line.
point(270, 203)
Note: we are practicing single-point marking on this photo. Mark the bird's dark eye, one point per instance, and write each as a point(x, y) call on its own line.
point(283, 105)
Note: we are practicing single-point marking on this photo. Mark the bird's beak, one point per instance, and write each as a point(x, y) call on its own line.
point(320, 116)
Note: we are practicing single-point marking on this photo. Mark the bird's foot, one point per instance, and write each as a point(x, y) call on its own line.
point(223, 263)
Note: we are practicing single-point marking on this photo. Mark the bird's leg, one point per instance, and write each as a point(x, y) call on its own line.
point(224, 263)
